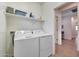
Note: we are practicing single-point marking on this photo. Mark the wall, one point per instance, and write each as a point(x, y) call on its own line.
point(14, 24)
point(66, 21)
point(2, 30)
point(74, 24)
point(48, 16)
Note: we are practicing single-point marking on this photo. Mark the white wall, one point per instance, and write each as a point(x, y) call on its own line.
point(15, 23)
point(2, 30)
point(66, 21)
point(48, 16)
point(74, 24)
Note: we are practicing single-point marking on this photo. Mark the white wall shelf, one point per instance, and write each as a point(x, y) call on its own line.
point(24, 17)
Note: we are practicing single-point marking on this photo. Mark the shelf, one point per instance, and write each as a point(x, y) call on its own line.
point(23, 17)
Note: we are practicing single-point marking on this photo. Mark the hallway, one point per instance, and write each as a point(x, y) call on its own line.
point(67, 49)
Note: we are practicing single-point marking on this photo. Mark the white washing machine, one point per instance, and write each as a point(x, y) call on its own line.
point(33, 46)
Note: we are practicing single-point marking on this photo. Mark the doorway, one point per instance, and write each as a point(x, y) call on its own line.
point(66, 21)
point(66, 14)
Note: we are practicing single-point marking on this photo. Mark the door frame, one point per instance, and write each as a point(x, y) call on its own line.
point(58, 13)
